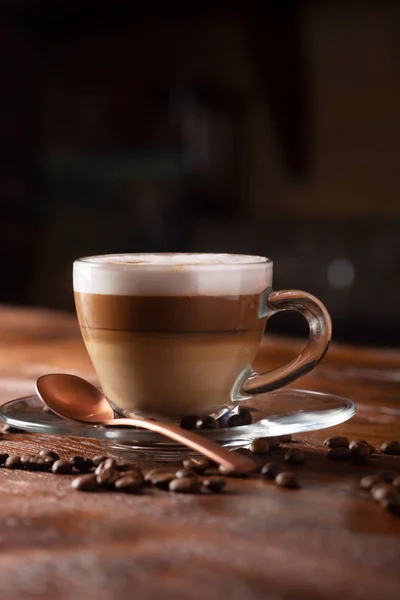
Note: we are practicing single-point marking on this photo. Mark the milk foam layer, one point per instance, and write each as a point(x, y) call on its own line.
point(173, 274)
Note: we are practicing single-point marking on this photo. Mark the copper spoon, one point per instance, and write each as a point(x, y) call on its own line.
point(73, 398)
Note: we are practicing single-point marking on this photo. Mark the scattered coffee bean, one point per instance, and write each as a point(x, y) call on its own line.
point(360, 453)
point(286, 479)
point(358, 443)
point(228, 472)
point(50, 453)
point(259, 446)
point(382, 491)
point(391, 447)
point(295, 456)
point(62, 467)
point(209, 423)
point(235, 421)
point(387, 476)
point(369, 481)
point(274, 442)
point(13, 462)
point(185, 473)
point(163, 479)
point(215, 484)
point(396, 482)
point(107, 464)
point(185, 485)
point(128, 484)
point(25, 459)
point(338, 453)
point(100, 458)
point(271, 470)
point(3, 457)
point(244, 451)
point(246, 416)
point(85, 483)
point(189, 422)
point(43, 463)
point(133, 473)
point(337, 441)
point(285, 439)
point(107, 478)
point(197, 464)
point(82, 464)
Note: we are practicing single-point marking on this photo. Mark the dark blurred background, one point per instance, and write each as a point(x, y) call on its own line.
point(274, 130)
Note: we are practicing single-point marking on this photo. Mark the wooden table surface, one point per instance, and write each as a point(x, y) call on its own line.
point(256, 541)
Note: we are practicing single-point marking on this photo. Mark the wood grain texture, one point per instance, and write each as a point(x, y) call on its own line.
point(327, 540)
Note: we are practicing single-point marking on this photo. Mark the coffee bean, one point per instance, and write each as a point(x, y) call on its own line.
point(274, 442)
point(197, 464)
point(100, 458)
point(25, 459)
point(208, 423)
point(13, 462)
point(189, 422)
point(286, 479)
point(259, 446)
point(185, 473)
point(392, 505)
point(44, 463)
point(3, 457)
point(285, 439)
point(215, 484)
point(34, 463)
point(246, 416)
point(380, 491)
point(244, 451)
point(360, 453)
point(122, 467)
point(82, 464)
point(107, 464)
point(396, 482)
point(62, 467)
point(107, 477)
point(235, 421)
point(338, 453)
point(128, 484)
point(228, 472)
point(391, 447)
point(50, 453)
point(369, 481)
point(270, 470)
point(162, 480)
point(387, 476)
point(85, 483)
point(295, 456)
point(185, 485)
point(337, 441)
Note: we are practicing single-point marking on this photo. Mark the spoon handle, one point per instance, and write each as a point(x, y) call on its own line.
point(231, 460)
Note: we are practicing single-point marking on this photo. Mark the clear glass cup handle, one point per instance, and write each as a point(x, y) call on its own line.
point(320, 327)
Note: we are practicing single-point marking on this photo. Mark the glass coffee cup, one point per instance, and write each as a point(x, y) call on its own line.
point(172, 335)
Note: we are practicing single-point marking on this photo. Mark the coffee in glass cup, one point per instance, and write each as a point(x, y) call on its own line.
point(176, 334)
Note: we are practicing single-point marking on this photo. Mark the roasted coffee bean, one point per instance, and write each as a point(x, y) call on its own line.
point(162, 480)
point(189, 422)
point(360, 453)
point(380, 491)
point(235, 421)
point(44, 463)
point(396, 482)
point(337, 441)
point(209, 423)
point(3, 457)
point(197, 464)
point(32, 462)
point(271, 470)
point(392, 505)
point(82, 464)
point(246, 416)
point(26, 458)
point(128, 484)
point(107, 464)
point(50, 453)
point(228, 472)
point(185, 485)
point(357, 443)
point(286, 479)
point(369, 481)
point(133, 473)
point(295, 456)
point(100, 458)
point(391, 447)
point(215, 484)
point(13, 462)
point(185, 473)
point(244, 451)
point(274, 442)
point(259, 446)
point(285, 439)
point(387, 476)
point(107, 477)
point(62, 467)
point(85, 483)
point(338, 454)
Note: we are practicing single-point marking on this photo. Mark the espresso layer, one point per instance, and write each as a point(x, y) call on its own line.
point(169, 313)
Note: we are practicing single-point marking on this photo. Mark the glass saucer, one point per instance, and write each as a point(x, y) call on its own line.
point(276, 413)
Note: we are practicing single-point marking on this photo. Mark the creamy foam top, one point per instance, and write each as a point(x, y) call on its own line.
point(172, 274)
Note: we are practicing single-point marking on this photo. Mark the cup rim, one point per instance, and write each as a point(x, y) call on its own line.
point(97, 260)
